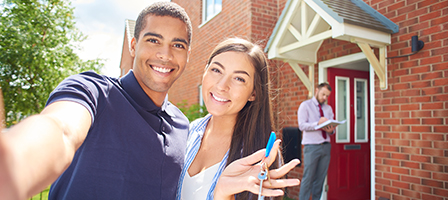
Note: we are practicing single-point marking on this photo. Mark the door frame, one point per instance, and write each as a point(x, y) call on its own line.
point(323, 77)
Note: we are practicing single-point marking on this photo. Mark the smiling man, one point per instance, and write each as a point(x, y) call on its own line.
point(107, 138)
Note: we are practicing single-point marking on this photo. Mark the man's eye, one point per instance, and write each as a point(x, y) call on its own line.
point(152, 40)
point(179, 46)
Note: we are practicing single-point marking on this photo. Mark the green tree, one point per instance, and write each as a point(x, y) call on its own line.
point(192, 112)
point(38, 43)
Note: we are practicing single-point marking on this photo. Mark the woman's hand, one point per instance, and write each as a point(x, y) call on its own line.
point(242, 175)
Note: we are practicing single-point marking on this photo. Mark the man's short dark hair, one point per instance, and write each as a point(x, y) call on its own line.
point(324, 85)
point(162, 9)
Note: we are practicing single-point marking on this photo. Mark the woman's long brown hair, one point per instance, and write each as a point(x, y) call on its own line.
point(254, 122)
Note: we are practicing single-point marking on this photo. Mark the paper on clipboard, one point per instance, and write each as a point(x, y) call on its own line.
point(329, 122)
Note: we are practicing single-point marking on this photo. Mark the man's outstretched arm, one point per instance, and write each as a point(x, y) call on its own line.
point(37, 150)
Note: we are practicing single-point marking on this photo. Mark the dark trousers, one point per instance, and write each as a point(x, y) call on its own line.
point(316, 161)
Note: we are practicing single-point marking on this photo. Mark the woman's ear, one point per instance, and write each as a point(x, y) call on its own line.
point(252, 97)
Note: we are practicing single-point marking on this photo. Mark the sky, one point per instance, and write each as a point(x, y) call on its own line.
point(103, 22)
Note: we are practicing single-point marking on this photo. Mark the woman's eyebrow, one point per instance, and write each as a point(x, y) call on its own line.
point(237, 72)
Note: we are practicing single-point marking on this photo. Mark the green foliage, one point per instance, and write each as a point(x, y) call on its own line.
point(38, 40)
point(193, 111)
point(42, 195)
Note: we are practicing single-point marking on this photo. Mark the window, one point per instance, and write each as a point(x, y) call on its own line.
point(361, 103)
point(210, 8)
point(343, 108)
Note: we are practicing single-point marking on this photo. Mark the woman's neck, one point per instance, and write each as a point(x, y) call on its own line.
point(221, 125)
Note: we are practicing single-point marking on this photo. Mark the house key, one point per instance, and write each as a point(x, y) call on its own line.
point(264, 173)
point(261, 176)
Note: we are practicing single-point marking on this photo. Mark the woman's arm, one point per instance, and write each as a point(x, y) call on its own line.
point(242, 175)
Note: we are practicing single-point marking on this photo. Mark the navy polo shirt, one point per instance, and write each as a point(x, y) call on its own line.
point(133, 150)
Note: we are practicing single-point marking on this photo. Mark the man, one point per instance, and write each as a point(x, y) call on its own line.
point(317, 148)
point(108, 138)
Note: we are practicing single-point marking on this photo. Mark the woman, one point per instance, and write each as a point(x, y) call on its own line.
point(235, 89)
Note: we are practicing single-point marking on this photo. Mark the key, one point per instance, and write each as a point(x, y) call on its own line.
point(261, 176)
point(267, 171)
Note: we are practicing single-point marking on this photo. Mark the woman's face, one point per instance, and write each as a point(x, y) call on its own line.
point(228, 83)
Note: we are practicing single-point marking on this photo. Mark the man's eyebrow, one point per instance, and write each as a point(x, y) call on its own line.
point(161, 37)
point(153, 34)
point(237, 72)
point(180, 40)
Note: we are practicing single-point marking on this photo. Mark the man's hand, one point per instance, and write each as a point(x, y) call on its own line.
point(2, 112)
point(6, 185)
point(322, 120)
point(329, 128)
point(35, 151)
point(242, 175)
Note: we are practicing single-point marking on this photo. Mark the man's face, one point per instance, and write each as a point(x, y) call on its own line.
point(322, 94)
point(160, 54)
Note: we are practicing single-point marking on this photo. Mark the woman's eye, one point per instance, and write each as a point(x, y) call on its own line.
point(240, 79)
point(215, 70)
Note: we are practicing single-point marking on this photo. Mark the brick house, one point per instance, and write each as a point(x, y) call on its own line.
point(393, 95)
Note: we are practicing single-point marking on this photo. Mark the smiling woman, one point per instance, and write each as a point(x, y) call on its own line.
point(235, 88)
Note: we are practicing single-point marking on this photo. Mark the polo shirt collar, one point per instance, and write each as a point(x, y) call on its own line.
point(133, 88)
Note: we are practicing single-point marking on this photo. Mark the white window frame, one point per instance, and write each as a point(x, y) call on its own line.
point(204, 12)
point(347, 85)
point(364, 110)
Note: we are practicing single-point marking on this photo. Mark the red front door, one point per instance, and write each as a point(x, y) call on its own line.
point(349, 171)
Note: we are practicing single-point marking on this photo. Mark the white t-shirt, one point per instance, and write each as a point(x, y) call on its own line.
point(197, 187)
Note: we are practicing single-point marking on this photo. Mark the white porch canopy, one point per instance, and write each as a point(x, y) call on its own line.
point(305, 24)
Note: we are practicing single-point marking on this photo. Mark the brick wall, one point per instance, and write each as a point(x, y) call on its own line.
point(412, 115)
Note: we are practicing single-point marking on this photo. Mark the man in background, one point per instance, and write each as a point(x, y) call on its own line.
point(317, 147)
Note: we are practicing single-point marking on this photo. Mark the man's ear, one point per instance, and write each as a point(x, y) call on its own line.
point(252, 97)
point(188, 55)
point(132, 49)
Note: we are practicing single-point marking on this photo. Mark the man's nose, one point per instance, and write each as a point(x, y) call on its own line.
point(164, 54)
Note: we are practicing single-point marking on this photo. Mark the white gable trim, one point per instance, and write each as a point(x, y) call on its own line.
point(295, 39)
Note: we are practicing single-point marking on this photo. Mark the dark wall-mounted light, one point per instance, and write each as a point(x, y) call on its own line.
point(416, 46)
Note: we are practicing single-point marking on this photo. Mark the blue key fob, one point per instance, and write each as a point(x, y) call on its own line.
point(270, 144)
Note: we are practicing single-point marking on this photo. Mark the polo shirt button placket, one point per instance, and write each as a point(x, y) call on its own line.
point(167, 144)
